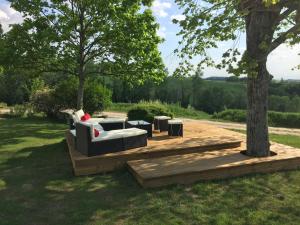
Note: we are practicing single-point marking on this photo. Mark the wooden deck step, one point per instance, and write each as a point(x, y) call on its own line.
point(185, 169)
point(83, 165)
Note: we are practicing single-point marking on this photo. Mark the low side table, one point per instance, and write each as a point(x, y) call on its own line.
point(141, 124)
point(161, 123)
point(175, 128)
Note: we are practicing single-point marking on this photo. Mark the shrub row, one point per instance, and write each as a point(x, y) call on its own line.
point(276, 119)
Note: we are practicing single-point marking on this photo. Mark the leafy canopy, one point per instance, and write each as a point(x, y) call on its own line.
point(65, 35)
point(209, 22)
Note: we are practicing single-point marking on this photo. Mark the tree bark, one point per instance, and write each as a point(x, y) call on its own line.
point(81, 59)
point(80, 92)
point(259, 31)
point(257, 122)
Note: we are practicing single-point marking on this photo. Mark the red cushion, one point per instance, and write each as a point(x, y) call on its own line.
point(96, 132)
point(85, 117)
point(88, 116)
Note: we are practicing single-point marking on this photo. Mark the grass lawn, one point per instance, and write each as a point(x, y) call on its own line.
point(290, 140)
point(37, 187)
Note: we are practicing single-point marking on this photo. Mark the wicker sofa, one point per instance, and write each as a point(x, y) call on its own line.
point(108, 141)
point(107, 123)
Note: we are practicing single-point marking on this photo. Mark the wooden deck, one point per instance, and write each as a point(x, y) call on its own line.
point(198, 137)
point(185, 169)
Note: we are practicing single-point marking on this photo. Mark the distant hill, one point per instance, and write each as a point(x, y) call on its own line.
point(292, 80)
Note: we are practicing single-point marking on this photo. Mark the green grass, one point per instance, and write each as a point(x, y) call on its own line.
point(37, 187)
point(290, 140)
point(174, 108)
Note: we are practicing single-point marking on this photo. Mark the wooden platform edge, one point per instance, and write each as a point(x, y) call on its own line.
point(95, 165)
point(69, 144)
point(219, 173)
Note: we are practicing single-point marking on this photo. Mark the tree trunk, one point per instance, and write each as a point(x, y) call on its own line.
point(257, 122)
point(81, 59)
point(259, 30)
point(80, 94)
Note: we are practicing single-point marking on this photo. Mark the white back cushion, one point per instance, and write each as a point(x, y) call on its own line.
point(97, 127)
point(78, 114)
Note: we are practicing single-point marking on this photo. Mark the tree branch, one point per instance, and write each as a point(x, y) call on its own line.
point(285, 15)
point(282, 38)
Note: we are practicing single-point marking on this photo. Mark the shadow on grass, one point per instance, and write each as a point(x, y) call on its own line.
point(13, 130)
point(38, 186)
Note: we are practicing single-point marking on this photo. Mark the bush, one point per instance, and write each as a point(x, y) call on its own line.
point(21, 110)
point(96, 96)
point(147, 111)
point(44, 101)
point(279, 119)
point(235, 115)
point(276, 119)
point(3, 105)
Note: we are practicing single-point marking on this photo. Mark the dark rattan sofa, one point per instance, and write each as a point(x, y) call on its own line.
point(108, 141)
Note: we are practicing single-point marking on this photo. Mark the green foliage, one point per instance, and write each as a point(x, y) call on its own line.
point(3, 105)
point(23, 110)
point(233, 115)
point(207, 23)
point(276, 119)
point(96, 97)
point(146, 111)
point(120, 107)
point(176, 109)
point(65, 92)
point(207, 96)
point(36, 85)
point(116, 37)
point(44, 101)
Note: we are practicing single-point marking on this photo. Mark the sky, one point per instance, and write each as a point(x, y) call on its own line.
point(280, 62)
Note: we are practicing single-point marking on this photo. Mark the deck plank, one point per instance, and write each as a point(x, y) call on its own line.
point(185, 169)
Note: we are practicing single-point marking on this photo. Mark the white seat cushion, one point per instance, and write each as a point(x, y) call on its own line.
point(162, 117)
point(175, 122)
point(108, 135)
point(131, 132)
point(122, 133)
point(94, 120)
point(78, 114)
point(113, 120)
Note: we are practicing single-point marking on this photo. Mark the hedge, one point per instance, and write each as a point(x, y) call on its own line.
point(276, 119)
point(148, 111)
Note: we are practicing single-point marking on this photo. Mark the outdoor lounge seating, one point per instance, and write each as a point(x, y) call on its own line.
point(107, 141)
point(107, 123)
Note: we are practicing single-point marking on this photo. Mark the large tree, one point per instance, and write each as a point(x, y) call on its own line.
point(116, 35)
point(267, 24)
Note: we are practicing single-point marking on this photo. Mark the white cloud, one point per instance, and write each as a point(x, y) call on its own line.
point(159, 8)
point(8, 16)
point(178, 17)
point(162, 32)
point(282, 60)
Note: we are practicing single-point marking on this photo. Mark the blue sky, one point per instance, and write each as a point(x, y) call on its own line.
point(280, 62)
